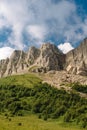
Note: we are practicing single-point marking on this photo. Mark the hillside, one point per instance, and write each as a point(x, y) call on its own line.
point(26, 80)
point(18, 98)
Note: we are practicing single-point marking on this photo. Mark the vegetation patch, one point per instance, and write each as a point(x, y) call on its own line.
point(25, 80)
point(78, 87)
point(31, 122)
point(41, 99)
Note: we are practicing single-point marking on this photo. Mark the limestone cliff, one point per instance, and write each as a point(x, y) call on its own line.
point(50, 57)
point(15, 64)
point(76, 60)
point(46, 58)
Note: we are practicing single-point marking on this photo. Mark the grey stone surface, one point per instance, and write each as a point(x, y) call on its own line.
point(76, 60)
point(47, 57)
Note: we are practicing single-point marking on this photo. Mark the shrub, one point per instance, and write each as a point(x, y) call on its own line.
point(67, 117)
point(39, 116)
point(9, 119)
point(84, 124)
point(19, 124)
point(45, 117)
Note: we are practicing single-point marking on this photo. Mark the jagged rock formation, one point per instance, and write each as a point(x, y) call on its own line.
point(13, 65)
point(76, 60)
point(50, 58)
point(47, 58)
point(3, 66)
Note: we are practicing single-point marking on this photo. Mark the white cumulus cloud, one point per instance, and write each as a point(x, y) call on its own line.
point(66, 47)
point(5, 52)
point(37, 32)
point(41, 19)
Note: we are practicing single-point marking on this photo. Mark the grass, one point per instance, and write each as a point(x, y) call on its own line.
point(33, 123)
point(27, 80)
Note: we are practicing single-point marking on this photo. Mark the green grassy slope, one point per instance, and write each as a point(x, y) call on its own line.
point(33, 123)
point(26, 80)
point(25, 96)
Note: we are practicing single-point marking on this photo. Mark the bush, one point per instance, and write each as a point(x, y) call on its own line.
point(59, 111)
point(9, 119)
point(19, 124)
point(39, 116)
point(79, 87)
point(84, 124)
point(67, 117)
point(45, 117)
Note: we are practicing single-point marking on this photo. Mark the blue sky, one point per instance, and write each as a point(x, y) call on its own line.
point(24, 23)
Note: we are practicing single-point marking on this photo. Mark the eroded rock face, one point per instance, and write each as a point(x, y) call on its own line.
point(76, 60)
point(16, 63)
point(32, 55)
point(3, 66)
point(48, 57)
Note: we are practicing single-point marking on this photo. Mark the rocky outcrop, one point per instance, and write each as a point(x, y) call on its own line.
point(76, 60)
point(13, 65)
point(3, 66)
point(32, 55)
point(48, 57)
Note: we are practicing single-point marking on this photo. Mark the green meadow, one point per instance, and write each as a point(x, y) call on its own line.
point(26, 80)
point(33, 123)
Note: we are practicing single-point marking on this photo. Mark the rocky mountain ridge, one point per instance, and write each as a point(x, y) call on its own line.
point(47, 57)
point(76, 60)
